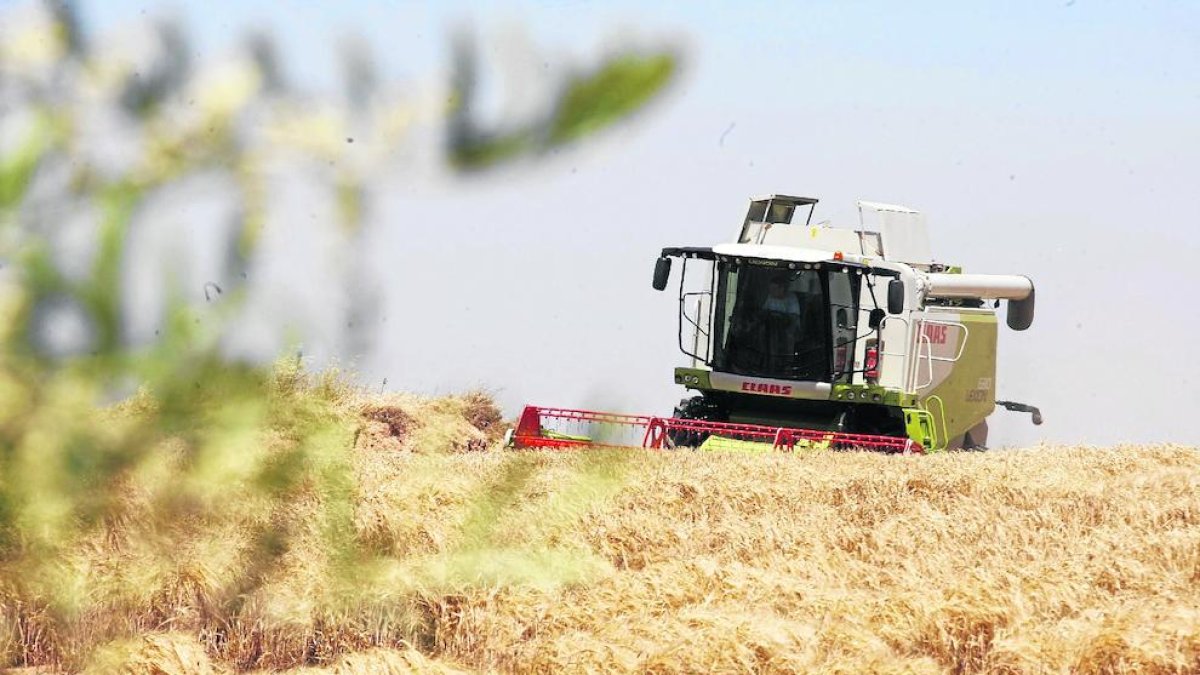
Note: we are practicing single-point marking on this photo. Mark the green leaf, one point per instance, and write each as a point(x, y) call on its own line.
point(16, 169)
point(618, 89)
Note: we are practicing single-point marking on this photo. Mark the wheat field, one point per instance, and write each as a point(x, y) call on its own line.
point(1050, 559)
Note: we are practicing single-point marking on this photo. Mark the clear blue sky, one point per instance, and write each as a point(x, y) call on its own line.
point(1055, 139)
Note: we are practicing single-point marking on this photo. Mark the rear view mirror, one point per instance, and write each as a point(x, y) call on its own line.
point(843, 318)
point(662, 272)
point(895, 300)
point(875, 320)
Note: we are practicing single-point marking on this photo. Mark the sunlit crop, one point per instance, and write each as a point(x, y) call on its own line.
point(1047, 559)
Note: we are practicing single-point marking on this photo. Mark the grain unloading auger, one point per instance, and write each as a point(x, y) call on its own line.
point(811, 336)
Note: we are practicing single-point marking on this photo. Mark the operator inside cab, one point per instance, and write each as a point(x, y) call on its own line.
point(775, 327)
point(781, 324)
point(779, 299)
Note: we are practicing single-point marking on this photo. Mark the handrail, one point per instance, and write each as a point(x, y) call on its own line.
point(926, 354)
point(923, 340)
point(942, 410)
point(962, 346)
point(690, 319)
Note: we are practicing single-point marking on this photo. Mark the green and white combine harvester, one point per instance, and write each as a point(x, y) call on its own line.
point(810, 336)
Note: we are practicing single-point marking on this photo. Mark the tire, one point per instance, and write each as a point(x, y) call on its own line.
point(976, 438)
point(695, 408)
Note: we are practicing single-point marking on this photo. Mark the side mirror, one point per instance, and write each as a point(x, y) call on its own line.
point(875, 319)
point(895, 296)
point(662, 272)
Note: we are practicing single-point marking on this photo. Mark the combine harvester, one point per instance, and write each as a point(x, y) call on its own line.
point(809, 336)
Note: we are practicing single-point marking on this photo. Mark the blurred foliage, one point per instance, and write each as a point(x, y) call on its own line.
point(618, 88)
point(585, 103)
point(97, 431)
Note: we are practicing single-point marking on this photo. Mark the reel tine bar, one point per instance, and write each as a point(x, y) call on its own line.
point(561, 428)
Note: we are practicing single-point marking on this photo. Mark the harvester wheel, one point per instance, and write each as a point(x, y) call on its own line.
point(976, 438)
point(694, 408)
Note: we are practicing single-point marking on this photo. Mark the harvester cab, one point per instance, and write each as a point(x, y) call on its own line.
point(811, 335)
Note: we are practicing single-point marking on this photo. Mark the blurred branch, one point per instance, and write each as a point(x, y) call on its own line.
point(147, 87)
point(66, 17)
point(584, 103)
point(615, 90)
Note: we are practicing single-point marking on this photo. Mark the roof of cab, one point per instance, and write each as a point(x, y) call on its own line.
point(769, 252)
